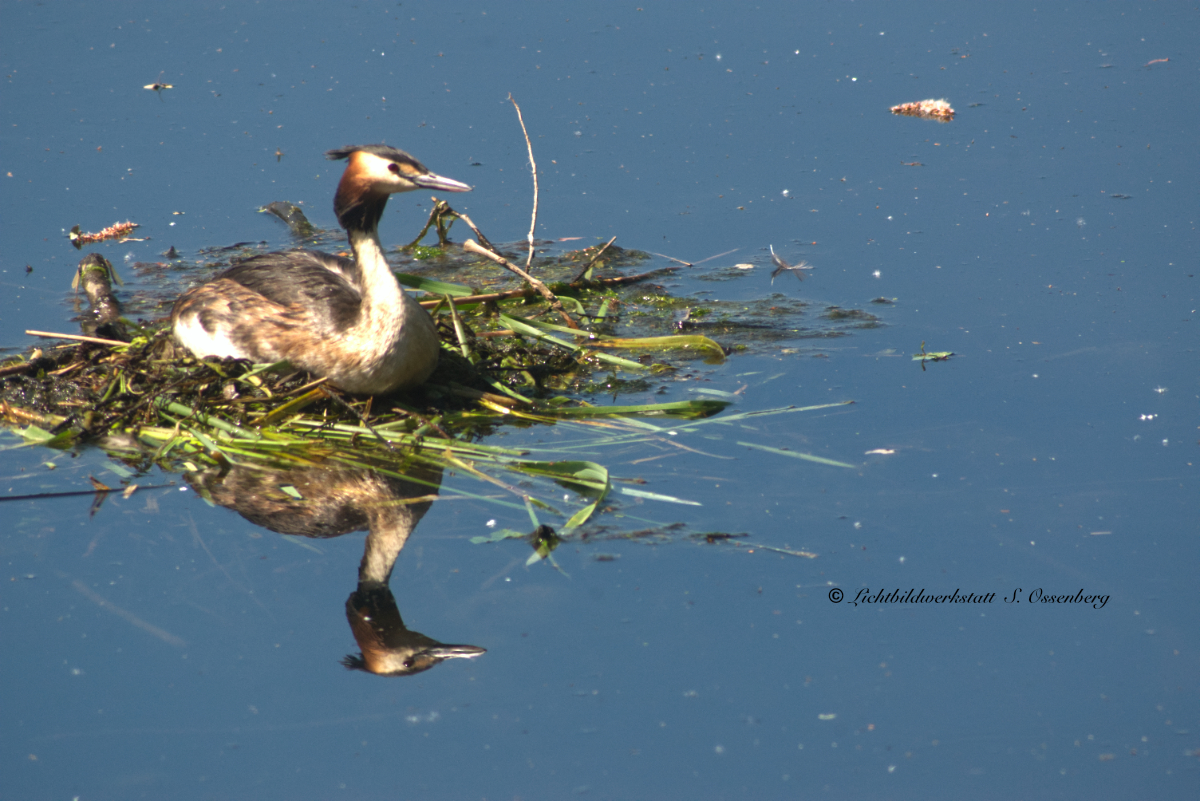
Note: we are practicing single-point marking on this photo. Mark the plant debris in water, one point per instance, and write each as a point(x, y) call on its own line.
point(118, 230)
point(513, 352)
point(926, 109)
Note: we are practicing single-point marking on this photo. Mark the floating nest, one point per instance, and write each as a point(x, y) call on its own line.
point(502, 360)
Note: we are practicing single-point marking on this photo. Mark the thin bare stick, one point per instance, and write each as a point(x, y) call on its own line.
point(672, 258)
point(633, 279)
point(43, 495)
point(719, 255)
point(76, 337)
point(13, 369)
point(304, 388)
point(592, 261)
point(533, 167)
point(526, 291)
point(523, 292)
point(282, 395)
point(473, 247)
point(474, 394)
point(438, 208)
point(690, 264)
point(9, 411)
point(483, 239)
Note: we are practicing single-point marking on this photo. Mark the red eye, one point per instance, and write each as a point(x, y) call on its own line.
point(394, 167)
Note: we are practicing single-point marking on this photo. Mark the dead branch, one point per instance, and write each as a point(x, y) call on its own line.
point(14, 369)
point(528, 291)
point(483, 239)
point(443, 216)
point(533, 168)
point(441, 210)
point(592, 261)
point(75, 337)
point(690, 264)
point(474, 247)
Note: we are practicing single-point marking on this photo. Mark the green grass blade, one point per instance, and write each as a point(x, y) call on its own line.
point(434, 287)
point(808, 457)
point(692, 342)
point(691, 408)
point(526, 328)
point(654, 496)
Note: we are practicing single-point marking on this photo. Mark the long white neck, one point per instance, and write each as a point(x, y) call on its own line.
point(379, 286)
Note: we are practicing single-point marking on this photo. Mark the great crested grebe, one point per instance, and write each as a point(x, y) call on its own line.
point(348, 320)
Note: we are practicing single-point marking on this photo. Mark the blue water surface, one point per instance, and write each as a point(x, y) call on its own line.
point(159, 647)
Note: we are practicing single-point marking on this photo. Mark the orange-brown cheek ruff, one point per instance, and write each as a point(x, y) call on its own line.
point(346, 320)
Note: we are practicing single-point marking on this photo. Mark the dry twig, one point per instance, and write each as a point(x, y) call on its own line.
point(592, 261)
point(528, 291)
point(76, 337)
point(474, 247)
point(690, 264)
point(533, 168)
point(442, 216)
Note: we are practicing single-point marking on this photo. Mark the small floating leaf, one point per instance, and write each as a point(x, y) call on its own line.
point(35, 435)
point(939, 356)
point(587, 475)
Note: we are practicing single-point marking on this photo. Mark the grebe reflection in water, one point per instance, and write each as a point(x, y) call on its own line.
point(324, 501)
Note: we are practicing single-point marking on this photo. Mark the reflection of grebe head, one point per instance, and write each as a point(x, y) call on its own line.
point(327, 501)
point(389, 648)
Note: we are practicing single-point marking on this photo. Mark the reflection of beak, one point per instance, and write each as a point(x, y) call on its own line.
point(423, 660)
point(389, 648)
point(431, 181)
point(454, 652)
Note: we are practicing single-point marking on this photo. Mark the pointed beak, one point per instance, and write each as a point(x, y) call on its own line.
point(454, 651)
point(431, 181)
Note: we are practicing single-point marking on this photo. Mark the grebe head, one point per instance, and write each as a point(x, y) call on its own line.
point(373, 173)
